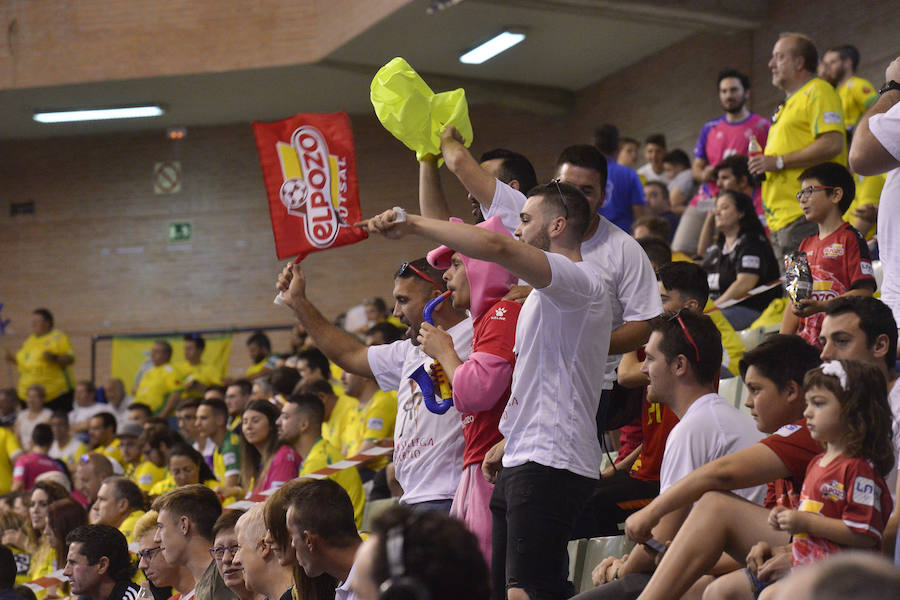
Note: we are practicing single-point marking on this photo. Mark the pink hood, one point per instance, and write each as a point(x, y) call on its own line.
point(488, 282)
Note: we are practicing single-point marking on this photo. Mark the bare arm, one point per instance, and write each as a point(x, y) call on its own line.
point(890, 530)
point(824, 148)
point(742, 284)
point(790, 322)
point(338, 345)
point(629, 372)
point(643, 561)
point(461, 163)
point(61, 360)
point(678, 201)
point(834, 530)
point(867, 155)
point(701, 170)
point(707, 234)
point(432, 202)
point(629, 336)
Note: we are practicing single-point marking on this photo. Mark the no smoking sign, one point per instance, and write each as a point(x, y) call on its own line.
point(167, 177)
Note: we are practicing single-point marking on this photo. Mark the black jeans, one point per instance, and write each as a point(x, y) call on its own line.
point(534, 509)
point(613, 500)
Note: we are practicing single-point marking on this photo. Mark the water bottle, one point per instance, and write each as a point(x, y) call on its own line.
point(145, 593)
point(754, 149)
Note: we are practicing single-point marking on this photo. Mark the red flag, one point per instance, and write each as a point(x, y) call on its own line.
point(309, 169)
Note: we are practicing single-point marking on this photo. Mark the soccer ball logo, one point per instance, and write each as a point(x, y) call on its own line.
point(293, 193)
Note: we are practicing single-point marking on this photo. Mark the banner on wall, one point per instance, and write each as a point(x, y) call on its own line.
point(131, 356)
point(309, 170)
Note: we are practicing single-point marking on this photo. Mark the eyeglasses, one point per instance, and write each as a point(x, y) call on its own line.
point(149, 553)
point(562, 199)
point(687, 334)
point(218, 552)
point(410, 267)
point(808, 191)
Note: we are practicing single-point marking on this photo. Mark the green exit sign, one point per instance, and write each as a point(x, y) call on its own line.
point(180, 232)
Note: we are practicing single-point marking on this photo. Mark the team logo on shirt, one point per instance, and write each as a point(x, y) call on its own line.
point(834, 250)
point(750, 262)
point(499, 314)
point(866, 268)
point(787, 430)
point(375, 423)
point(831, 117)
point(833, 490)
point(865, 491)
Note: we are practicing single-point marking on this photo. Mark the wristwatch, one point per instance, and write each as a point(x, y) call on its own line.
point(779, 163)
point(890, 85)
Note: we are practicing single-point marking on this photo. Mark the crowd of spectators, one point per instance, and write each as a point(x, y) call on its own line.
point(583, 366)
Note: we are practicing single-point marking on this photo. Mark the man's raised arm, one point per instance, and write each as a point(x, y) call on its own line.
point(432, 202)
point(338, 345)
point(868, 156)
point(461, 163)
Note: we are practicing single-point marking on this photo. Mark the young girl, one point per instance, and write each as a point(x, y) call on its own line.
point(844, 502)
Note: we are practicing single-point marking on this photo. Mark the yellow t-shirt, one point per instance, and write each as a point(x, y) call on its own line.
point(266, 363)
point(147, 474)
point(335, 427)
point(679, 256)
point(34, 369)
point(809, 112)
point(226, 458)
point(323, 454)
point(9, 451)
point(732, 346)
point(161, 487)
point(373, 421)
point(112, 451)
point(202, 373)
point(868, 191)
point(43, 562)
point(127, 526)
point(857, 95)
point(156, 385)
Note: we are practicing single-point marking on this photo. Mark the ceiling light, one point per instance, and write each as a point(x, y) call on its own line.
point(98, 114)
point(492, 48)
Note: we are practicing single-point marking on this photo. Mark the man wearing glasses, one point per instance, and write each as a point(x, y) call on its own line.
point(263, 574)
point(159, 573)
point(428, 448)
point(225, 552)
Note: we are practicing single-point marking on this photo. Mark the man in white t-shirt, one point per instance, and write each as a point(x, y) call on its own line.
point(551, 460)
point(428, 448)
point(684, 355)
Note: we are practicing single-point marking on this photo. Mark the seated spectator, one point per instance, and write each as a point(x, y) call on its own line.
point(186, 419)
point(186, 467)
point(627, 156)
point(160, 381)
point(730, 174)
point(677, 167)
point(118, 402)
point(90, 473)
point(383, 333)
point(119, 504)
point(656, 194)
point(619, 198)
point(65, 447)
point(212, 424)
point(63, 516)
point(654, 151)
point(35, 412)
point(31, 464)
point(161, 574)
point(43, 495)
point(263, 573)
point(195, 375)
point(299, 427)
point(263, 361)
point(374, 418)
point(16, 535)
point(340, 409)
point(224, 551)
point(266, 461)
point(128, 437)
point(428, 554)
point(237, 395)
point(283, 381)
point(651, 226)
point(138, 413)
point(99, 565)
point(9, 407)
point(185, 533)
point(102, 436)
point(155, 443)
point(8, 570)
point(741, 259)
point(86, 406)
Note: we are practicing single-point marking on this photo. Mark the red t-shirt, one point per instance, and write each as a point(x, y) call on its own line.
point(795, 447)
point(30, 465)
point(839, 263)
point(848, 489)
point(494, 333)
point(630, 437)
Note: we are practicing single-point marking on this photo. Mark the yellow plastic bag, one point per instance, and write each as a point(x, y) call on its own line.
point(413, 113)
point(772, 315)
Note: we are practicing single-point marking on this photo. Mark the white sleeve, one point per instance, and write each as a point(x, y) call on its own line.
point(638, 291)
point(507, 203)
point(886, 129)
point(570, 285)
point(386, 362)
point(685, 452)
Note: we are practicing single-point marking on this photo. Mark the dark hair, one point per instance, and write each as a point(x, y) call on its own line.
point(103, 540)
point(864, 411)
point(749, 223)
point(89, 387)
point(662, 187)
point(782, 358)
point(735, 74)
point(834, 175)
point(197, 339)
point(42, 435)
point(847, 51)
point(284, 380)
point(310, 405)
point(218, 406)
point(187, 403)
point(24, 592)
point(316, 360)
point(53, 490)
point(7, 568)
point(204, 473)
point(253, 463)
point(437, 551)
point(688, 279)
point(109, 421)
point(246, 386)
point(167, 347)
point(587, 157)
point(227, 520)
point(390, 332)
point(377, 302)
point(677, 157)
point(323, 507)
point(260, 339)
point(60, 414)
point(45, 314)
point(196, 502)
point(217, 388)
point(656, 138)
point(63, 516)
point(875, 319)
point(148, 412)
point(408, 271)
point(657, 250)
point(606, 139)
point(565, 200)
point(657, 226)
point(737, 164)
point(129, 490)
point(705, 334)
point(157, 434)
point(319, 386)
point(804, 47)
point(514, 167)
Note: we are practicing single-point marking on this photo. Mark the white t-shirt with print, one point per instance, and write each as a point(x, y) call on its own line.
point(886, 129)
point(562, 337)
point(428, 448)
point(710, 429)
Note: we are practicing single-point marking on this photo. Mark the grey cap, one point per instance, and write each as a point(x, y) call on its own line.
point(130, 428)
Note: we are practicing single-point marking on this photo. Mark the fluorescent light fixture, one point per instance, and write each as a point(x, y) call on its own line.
point(98, 114)
point(492, 48)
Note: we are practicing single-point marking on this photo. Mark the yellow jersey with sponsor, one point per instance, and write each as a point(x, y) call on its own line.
point(156, 385)
point(732, 346)
point(334, 429)
point(34, 368)
point(226, 458)
point(811, 111)
point(374, 421)
point(868, 191)
point(857, 95)
point(127, 526)
point(147, 474)
point(9, 448)
point(202, 373)
point(112, 450)
point(322, 455)
point(266, 363)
